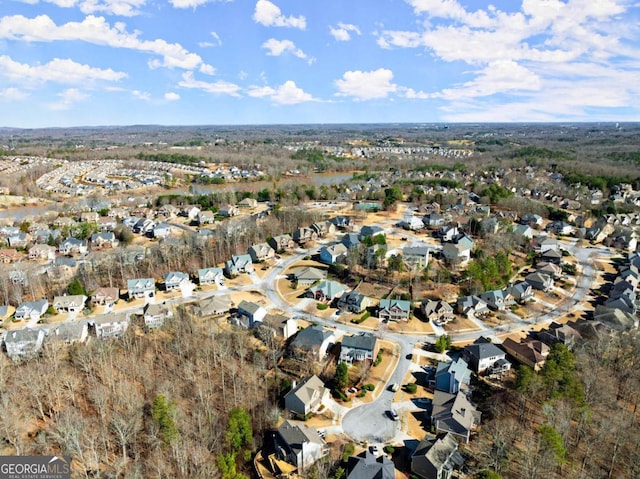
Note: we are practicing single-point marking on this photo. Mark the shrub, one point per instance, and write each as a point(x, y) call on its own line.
point(348, 451)
point(368, 387)
point(378, 358)
point(362, 393)
point(366, 315)
point(389, 449)
point(322, 306)
point(411, 388)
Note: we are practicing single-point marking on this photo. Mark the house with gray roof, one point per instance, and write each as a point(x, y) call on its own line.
point(436, 457)
point(141, 288)
point(484, 356)
point(281, 242)
point(521, 292)
point(416, 256)
point(309, 275)
point(241, 263)
point(452, 376)
point(24, 343)
point(369, 466)
point(155, 315)
point(333, 253)
point(175, 280)
point(254, 312)
point(350, 240)
point(313, 340)
point(394, 309)
point(299, 445)
point(73, 246)
point(71, 332)
point(69, 303)
point(261, 252)
point(105, 296)
point(540, 281)
point(306, 397)
point(358, 347)
point(498, 299)
point(440, 312)
point(215, 305)
point(110, 326)
point(453, 413)
point(326, 290)
point(213, 275)
point(471, 306)
point(354, 302)
point(31, 310)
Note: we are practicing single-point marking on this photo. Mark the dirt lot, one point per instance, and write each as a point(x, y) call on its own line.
point(460, 323)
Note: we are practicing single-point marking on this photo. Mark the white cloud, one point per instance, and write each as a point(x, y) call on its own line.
point(498, 77)
point(171, 96)
point(286, 94)
point(270, 15)
point(141, 95)
point(207, 69)
point(218, 87)
point(216, 43)
point(57, 70)
point(124, 8)
point(68, 98)
point(342, 32)
point(278, 47)
point(366, 85)
point(187, 3)
point(12, 94)
point(411, 94)
point(97, 31)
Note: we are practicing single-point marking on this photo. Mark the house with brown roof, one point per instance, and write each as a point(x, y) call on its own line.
point(531, 352)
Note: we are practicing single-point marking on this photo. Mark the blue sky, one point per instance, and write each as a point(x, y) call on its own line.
point(189, 62)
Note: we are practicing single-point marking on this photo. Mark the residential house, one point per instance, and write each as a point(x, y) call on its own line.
point(546, 244)
point(458, 252)
point(559, 228)
point(416, 256)
point(529, 352)
point(341, 222)
point(89, 217)
point(238, 264)
point(5, 311)
point(279, 325)
point(213, 275)
point(215, 305)
point(323, 229)
point(370, 231)
point(313, 340)
point(72, 304)
point(532, 220)
point(191, 212)
point(448, 233)
point(254, 312)
point(521, 292)
point(64, 221)
point(229, 211)
point(369, 466)
point(453, 413)
point(62, 268)
point(105, 239)
point(31, 310)
point(304, 234)
point(354, 302)
point(206, 217)
point(433, 220)
point(42, 252)
point(350, 240)
point(472, 306)
point(19, 277)
point(498, 299)
point(73, 246)
point(261, 252)
point(155, 315)
point(411, 223)
point(24, 343)
point(175, 280)
point(299, 445)
point(141, 288)
point(452, 376)
point(436, 457)
point(19, 240)
point(309, 275)
point(440, 312)
point(109, 326)
point(540, 281)
point(326, 290)
point(71, 332)
point(358, 347)
point(333, 253)
point(161, 230)
point(394, 309)
point(550, 269)
point(144, 225)
point(248, 203)
point(560, 333)
point(523, 231)
point(306, 397)
point(107, 223)
point(105, 296)
point(281, 242)
point(614, 318)
point(483, 356)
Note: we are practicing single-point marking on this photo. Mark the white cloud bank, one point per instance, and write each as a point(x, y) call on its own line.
point(276, 48)
point(286, 94)
point(270, 15)
point(342, 32)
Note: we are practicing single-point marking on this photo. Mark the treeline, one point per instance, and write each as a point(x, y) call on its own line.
point(179, 158)
point(602, 182)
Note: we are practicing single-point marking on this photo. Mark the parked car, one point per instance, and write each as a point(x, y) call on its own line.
point(395, 387)
point(393, 414)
